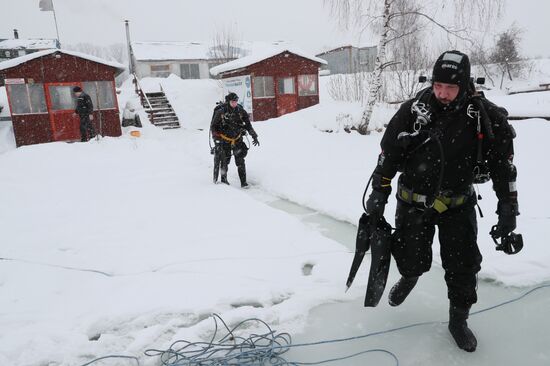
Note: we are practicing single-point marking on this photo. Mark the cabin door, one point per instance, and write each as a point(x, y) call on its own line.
point(61, 104)
point(287, 99)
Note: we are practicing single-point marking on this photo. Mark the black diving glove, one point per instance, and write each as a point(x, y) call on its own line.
point(381, 189)
point(255, 141)
point(507, 212)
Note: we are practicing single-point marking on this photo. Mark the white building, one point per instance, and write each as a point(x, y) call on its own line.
point(188, 60)
point(16, 47)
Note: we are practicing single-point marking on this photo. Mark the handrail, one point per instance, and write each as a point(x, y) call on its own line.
point(144, 96)
point(142, 92)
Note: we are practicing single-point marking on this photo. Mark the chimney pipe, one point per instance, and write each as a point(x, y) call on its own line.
point(132, 68)
point(15, 34)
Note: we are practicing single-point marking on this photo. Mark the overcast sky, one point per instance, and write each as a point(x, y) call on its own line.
point(308, 23)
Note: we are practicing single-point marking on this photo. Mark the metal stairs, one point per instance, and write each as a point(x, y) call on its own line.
point(160, 111)
point(157, 106)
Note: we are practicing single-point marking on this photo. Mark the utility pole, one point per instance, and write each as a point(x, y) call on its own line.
point(47, 5)
point(130, 51)
point(56, 27)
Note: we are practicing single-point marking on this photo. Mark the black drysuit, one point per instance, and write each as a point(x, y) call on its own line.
point(84, 108)
point(421, 163)
point(228, 127)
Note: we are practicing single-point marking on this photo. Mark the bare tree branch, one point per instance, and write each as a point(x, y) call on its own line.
point(444, 27)
point(225, 44)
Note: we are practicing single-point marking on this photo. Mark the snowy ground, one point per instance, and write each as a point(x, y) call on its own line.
point(129, 239)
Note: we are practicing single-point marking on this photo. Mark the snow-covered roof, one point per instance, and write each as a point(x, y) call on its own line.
point(28, 44)
point(160, 51)
point(181, 51)
point(260, 56)
point(330, 50)
point(21, 60)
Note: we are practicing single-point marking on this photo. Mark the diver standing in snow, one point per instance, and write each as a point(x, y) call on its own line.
point(442, 141)
point(229, 124)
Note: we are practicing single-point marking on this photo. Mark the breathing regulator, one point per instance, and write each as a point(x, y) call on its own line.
point(423, 117)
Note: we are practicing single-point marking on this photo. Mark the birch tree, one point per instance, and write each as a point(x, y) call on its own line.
point(455, 21)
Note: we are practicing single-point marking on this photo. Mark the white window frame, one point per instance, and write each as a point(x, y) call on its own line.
point(283, 79)
point(189, 65)
point(94, 97)
point(67, 87)
point(263, 84)
point(315, 80)
point(28, 100)
point(165, 69)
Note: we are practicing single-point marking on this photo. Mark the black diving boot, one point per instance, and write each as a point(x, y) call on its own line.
point(401, 290)
point(458, 327)
point(242, 176)
point(224, 179)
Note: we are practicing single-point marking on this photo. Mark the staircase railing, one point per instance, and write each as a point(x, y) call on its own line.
point(143, 96)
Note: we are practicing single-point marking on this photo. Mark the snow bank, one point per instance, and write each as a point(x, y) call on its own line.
point(524, 105)
point(7, 138)
point(4, 102)
point(192, 100)
point(533, 73)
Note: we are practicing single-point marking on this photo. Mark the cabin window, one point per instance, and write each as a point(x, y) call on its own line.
point(27, 98)
point(263, 87)
point(38, 98)
point(106, 94)
point(307, 85)
point(63, 98)
point(190, 71)
point(160, 71)
point(286, 85)
point(89, 87)
point(102, 94)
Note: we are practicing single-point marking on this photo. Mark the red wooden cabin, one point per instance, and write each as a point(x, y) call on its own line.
point(283, 81)
point(41, 100)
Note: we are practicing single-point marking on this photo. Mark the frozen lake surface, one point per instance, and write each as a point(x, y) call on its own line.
point(513, 334)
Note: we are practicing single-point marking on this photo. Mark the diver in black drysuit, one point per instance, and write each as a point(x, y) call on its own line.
point(435, 188)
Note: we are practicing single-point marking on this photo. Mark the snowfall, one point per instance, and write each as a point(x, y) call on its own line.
point(122, 244)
